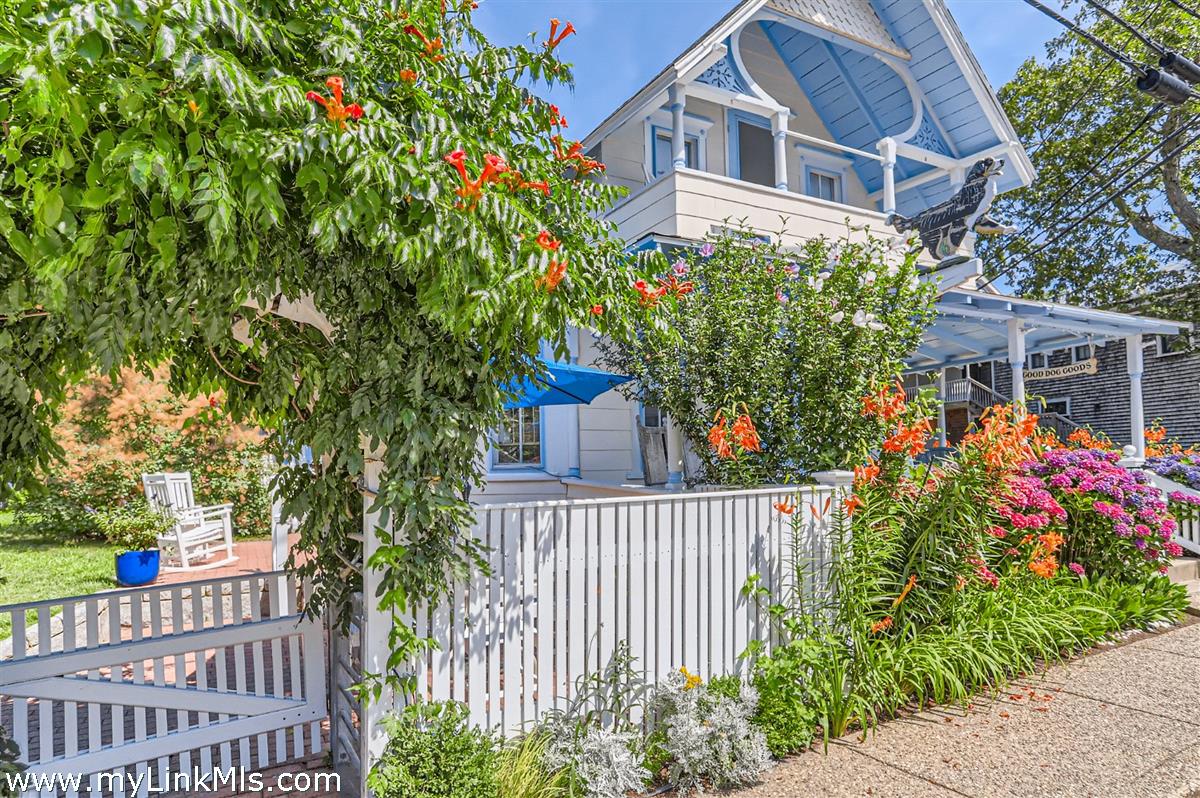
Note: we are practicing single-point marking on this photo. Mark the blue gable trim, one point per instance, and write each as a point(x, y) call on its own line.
point(858, 98)
point(939, 76)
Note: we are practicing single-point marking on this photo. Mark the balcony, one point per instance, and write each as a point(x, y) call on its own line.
point(690, 204)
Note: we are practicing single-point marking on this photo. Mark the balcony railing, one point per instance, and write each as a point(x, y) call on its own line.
point(691, 204)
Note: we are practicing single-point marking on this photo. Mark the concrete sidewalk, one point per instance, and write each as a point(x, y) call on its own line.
point(1122, 721)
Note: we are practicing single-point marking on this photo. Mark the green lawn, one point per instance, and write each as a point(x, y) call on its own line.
point(42, 566)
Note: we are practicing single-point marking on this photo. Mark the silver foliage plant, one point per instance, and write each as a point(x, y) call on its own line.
point(709, 737)
point(601, 761)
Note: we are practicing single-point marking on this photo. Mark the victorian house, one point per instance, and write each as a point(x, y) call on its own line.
point(832, 114)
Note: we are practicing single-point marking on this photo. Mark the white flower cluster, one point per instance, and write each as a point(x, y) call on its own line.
point(709, 737)
point(601, 759)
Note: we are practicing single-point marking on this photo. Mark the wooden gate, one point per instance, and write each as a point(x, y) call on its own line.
point(163, 682)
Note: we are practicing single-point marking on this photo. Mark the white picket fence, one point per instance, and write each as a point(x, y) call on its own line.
point(160, 680)
point(572, 579)
point(1188, 534)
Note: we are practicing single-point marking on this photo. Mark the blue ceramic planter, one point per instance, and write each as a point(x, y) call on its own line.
point(137, 568)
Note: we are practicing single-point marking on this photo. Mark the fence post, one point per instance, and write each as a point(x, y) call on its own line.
point(376, 627)
point(834, 479)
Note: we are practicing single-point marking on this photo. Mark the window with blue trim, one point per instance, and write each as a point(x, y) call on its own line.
point(518, 441)
point(664, 152)
point(823, 185)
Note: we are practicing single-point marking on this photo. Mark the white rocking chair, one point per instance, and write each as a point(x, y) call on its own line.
point(198, 532)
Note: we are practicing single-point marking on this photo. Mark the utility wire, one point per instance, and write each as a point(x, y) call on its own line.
point(1113, 53)
point(1130, 164)
point(1113, 195)
point(1062, 195)
point(1102, 73)
point(1182, 7)
point(1143, 38)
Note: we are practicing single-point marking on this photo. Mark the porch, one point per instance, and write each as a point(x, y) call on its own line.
point(974, 328)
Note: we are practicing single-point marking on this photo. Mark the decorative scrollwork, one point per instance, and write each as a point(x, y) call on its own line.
point(724, 75)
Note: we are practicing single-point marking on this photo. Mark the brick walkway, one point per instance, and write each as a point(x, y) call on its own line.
point(253, 556)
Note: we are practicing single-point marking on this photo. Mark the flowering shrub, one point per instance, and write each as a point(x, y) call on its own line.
point(112, 433)
point(708, 737)
point(791, 339)
point(1117, 522)
point(1182, 467)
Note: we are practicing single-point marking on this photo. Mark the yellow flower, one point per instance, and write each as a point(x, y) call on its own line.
point(692, 679)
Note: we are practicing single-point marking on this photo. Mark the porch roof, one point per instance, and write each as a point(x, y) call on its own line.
point(973, 327)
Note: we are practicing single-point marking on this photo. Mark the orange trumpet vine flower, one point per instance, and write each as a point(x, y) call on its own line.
point(547, 241)
point(335, 111)
point(556, 37)
point(493, 167)
point(554, 275)
point(432, 46)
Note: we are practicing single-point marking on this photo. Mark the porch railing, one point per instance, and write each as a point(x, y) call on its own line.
point(969, 391)
point(973, 392)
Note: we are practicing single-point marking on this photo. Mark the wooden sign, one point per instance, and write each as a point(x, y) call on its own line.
point(1089, 366)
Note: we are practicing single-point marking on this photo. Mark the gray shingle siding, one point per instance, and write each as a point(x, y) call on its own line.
point(1170, 391)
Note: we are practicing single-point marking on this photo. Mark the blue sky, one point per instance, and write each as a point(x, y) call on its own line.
point(623, 43)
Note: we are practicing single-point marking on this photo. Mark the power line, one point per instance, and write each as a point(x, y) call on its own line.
point(1143, 38)
point(1113, 53)
point(1101, 74)
point(1120, 172)
point(1113, 195)
point(1182, 7)
point(1095, 165)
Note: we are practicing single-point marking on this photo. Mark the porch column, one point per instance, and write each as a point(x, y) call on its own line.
point(942, 397)
point(377, 624)
point(1137, 414)
point(674, 456)
point(779, 132)
point(1016, 360)
point(677, 96)
point(887, 148)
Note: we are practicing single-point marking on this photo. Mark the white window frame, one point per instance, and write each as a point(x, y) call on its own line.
point(822, 162)
point(1045, 402)
point(838, 190)
point(694, 127)
point(1030, 365)
point(494, 463)
point(1158, 345)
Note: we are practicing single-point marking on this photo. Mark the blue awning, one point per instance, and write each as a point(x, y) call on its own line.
point(563, 384)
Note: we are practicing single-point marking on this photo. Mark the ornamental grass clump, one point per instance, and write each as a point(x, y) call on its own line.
point(1118, 524)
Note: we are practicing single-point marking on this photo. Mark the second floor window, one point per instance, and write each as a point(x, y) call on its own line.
point(824, 185)
point(1035, 361)
point(663, 153)
point(518, 442)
